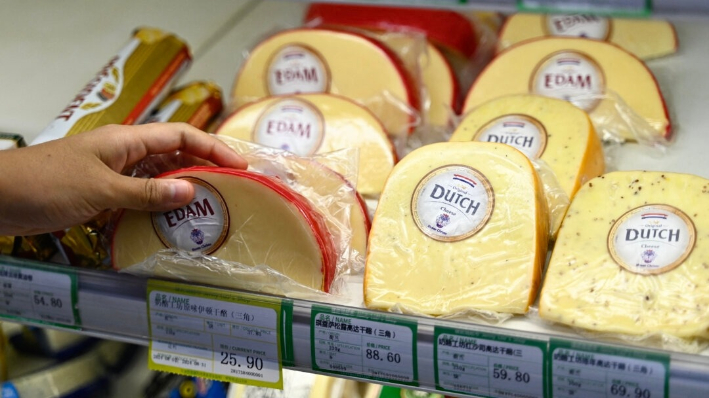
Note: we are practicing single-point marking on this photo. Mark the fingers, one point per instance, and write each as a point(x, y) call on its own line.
point(152, 194)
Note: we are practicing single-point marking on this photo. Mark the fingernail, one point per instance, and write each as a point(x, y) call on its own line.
point(181, 191)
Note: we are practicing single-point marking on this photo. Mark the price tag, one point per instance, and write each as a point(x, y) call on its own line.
point(215, 334)
point(364, 344)
point(614, 7)
point(36, 294)
point(592, 370)
point(489, 365)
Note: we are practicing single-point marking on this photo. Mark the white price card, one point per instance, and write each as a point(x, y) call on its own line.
point(615, 7)
point(39, 294)
point(488, 365)
point(215, 334)
point(364, 344)
point(599, 371)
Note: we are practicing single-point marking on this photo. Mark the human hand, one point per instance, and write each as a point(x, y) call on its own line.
point(66, 182)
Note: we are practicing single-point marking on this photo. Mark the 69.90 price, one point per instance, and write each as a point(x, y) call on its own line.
point(622, 391)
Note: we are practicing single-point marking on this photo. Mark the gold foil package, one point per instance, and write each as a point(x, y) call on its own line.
point(197, 103)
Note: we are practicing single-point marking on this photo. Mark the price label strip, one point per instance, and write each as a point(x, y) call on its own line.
point(488, 365)
point(215, 334)
point(592, 370)
point(38, 294)
point(363, 344)
point(613, 7)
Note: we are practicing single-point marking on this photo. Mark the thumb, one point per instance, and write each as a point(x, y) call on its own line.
point(154, 194)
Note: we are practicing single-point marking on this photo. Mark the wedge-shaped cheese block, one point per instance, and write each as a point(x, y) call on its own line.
point(586, 72)
point(236, 216)
point(460, 226)
point(631, 257)
point(331, 61)
point(644, 38)
point(317, 123)
point(558, 133)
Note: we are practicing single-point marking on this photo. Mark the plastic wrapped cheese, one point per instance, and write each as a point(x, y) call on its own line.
point(631, 257)
point(460, 227)
point(554, 131)
point(237, 216)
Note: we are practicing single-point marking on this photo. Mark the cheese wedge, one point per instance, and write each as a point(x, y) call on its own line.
point(631, 257)
point(331, 61)
point(459, 227)
point(317, 123)
point(644, 38)
point(567, 68)
point(236, 216)
point(558, 133)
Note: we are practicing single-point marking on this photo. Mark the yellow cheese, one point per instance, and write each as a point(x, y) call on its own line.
point(317, 123)
point(236, 216)
point(460, 226)
point(631, 257)
point(331, 61)
point(645, 38)
point(558, 133)
point(567, 68)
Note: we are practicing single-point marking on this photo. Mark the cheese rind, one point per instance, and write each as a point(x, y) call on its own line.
point(433, 252)
point(644, 38)
point(604, 276)
point(311, 61)
point(317, 123)
point(558, 133)
point(233, 214)
point(574, 68)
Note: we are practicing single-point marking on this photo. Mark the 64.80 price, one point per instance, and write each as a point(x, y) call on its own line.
point(47, 302)
point(502, 374)
point(622, 391)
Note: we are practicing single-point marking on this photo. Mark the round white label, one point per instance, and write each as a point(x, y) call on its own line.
point(201, 226)
point(570, 76)
point(651, 239)
point(578, 25)
point(292, 125)
point(452, 203)
point(297, 69)
point(522, 132)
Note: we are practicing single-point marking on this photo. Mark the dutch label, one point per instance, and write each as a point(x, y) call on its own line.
point(201, 226)
point(297, 69)
point(292, 125)
point(519, 131)
point(570, 76)
point(452, 203)
point(578, 25)
point(651, 239)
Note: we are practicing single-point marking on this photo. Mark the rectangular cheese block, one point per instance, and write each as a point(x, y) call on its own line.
point(632, 257)
point(460, 227)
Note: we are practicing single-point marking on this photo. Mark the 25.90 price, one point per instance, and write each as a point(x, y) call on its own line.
point(520, 377)
point(52, 302)
point(231, 360)
point(621, 391)
point(375, 355)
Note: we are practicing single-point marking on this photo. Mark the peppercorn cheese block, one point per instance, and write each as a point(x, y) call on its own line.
point(588, 73)
point(237, 216)
point(317, 123)
point(558, 133)
point(331, 61)
point(631, 257)
point(644, 38)
point(460, 227)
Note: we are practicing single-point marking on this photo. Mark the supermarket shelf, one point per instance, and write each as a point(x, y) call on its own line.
point(113, 306)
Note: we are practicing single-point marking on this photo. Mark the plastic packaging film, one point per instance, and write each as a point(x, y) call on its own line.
point(616, 89)
point(556, 136)
point(630, 260)
point(307, 60)
point(461, 229)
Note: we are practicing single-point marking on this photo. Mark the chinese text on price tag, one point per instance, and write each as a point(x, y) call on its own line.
point(37, 295)
point(489, 365)
point(379, 347)
point(586, 370)
point(215, 334)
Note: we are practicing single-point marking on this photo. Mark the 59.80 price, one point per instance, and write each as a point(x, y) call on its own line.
point(231, 360)
point(502, 374)
point(622, 391)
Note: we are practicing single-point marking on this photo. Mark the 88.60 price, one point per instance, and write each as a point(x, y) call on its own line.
point(231, 359)
point(377, 356)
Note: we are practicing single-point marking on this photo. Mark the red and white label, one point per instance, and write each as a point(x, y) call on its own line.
point(570, 76)
point(522, 132)
point(297, 69)
point(579, 25)
point(292, 125)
